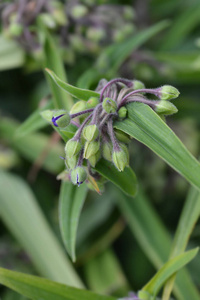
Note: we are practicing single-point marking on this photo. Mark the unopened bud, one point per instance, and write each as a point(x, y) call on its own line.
point(122, 136)
point(71, 162)
point(95, 34)
point(15, 29)
point(78, 107)
point(137, 84)
point(94, 158)
point(90, 132)
point(92, 102)
point(61, 118)
point(91, 148)
point(72, 148)
point(120, 159)
point(79, 11)
point(165, 108)
point(109, 105)
point(78, 175)
point(107, 150)
point(167, 92)
point(122, 112)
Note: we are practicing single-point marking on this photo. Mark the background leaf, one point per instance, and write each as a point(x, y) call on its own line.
point(22, 215)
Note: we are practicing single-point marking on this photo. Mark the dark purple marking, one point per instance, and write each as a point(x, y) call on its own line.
point(54, 119)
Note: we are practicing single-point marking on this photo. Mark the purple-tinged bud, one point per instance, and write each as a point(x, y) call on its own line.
point(91, 149)
point(122, 113)
point(94, 158)
point(78, 175)
point(90, 132)
point(78, 107)
point(107, 150)
point(92, 102)
point(109, 105)
point(72, 148)
point(167, 92)
point(60, 118)
point(120, 159)
point(165, 108)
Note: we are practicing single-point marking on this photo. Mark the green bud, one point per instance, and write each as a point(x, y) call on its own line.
point(107, 149)
point(48, 20)
point(109, 105)
point(122, 136)
point(15, 29)
point(72, 148)
point(79, 11)
point(61, 118)
point(94, 158)
point(122, 112)
point(168, 92)
point(165, 108)
point(95, 34)
point(120, 159)
point(78, 107)
point(92, 102)
point(137, 84)
point(90, 132)
point(71, 162)
point(91, 148)
point(78, 175)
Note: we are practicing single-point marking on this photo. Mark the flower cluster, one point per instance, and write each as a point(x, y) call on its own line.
point(95, 136)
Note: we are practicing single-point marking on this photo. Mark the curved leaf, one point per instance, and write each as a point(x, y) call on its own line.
point(147, 127)
point(81, 94)
point(71, 201)
point(169, 268)
point(125, 180)
point(42, 289)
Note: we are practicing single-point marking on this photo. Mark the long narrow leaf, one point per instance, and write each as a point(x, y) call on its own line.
point(42, 289)
point(24, 218)
point(125, 180)
point(147, 127)
point(71, 201)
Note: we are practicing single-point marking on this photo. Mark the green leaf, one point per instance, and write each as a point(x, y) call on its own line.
point(182, 26)
point(125, 180)
point(147, 127)
point(11, 55)
point(188, 219)
point(24, 218)
point(81, 94)
point(152, 236)
point(42, 289)
point(154, 285)
point(34, 122)
point(71, 201)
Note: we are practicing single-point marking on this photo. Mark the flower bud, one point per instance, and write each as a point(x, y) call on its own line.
point(94, 158)
point(78, 175)
point(122, 136)
point(109, 105)
point(90, 132)
point(92, 102)
point(15, 29)
point(61, 118)
point(95, 34)
point(79, 11)
point(72, 148)
point(137, 84)
point(120, 159)
point(167, 92)
point(91, 148)
point(78, 107)
point(122, 112)
point(165, 108)
point(107, 149)
point(71, 162)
